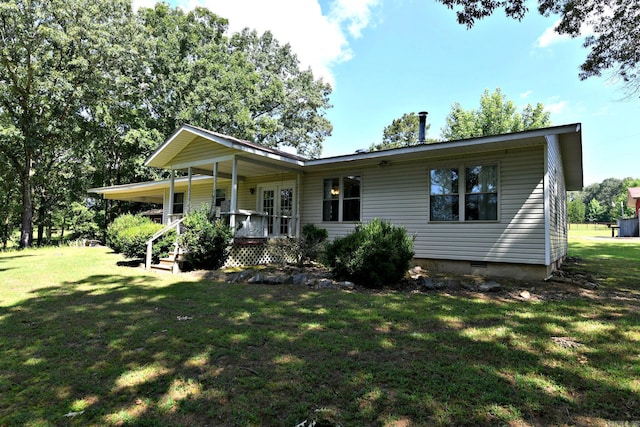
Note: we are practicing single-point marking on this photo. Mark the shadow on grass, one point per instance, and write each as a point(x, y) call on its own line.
point(119, 350)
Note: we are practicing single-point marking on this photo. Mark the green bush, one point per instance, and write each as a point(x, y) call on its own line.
point(375, 254)
point(118, 226)
point(313, 241)
point(204, 240)
point(128, 234)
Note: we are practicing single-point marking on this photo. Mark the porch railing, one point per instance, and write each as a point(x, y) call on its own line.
point(255, 224)
point(172, 225)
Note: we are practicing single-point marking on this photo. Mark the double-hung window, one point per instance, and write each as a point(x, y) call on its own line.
point(178, 203)
point(341, 198)
point(466, 193)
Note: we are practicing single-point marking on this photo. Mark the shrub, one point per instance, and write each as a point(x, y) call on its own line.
point(204, 240)
point(375, 254)
point(118, 226)
point(313, 241)
point(306, 247)
point(128, 234)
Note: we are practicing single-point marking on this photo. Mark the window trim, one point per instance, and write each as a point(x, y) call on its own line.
point(462, 192)
point(341, 199)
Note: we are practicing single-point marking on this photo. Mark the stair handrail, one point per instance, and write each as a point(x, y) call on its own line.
point(175, 224)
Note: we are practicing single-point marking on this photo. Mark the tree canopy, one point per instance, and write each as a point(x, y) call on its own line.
point(89, 88)
point(402, 132)
point(610, 27)
point(495, 115)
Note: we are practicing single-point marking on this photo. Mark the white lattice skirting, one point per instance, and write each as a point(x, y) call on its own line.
point(245, 254)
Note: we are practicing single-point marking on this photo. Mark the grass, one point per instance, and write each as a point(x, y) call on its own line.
point(86, 342)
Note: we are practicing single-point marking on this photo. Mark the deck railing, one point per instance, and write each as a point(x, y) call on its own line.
point(255, 224)
point(173, 225)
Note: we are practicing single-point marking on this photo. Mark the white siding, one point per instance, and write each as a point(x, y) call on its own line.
point(399, 193)
point(557, 199)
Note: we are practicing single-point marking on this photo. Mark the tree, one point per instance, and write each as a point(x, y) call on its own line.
point(614, 41)
point(596, 212)
point(248, 86)
point(402, 132)
point(576, 208)
point(496, 115)
point(52, 54)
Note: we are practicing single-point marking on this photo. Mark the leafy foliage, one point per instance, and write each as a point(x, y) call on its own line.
point(90, 89)
point(613, 44)
point(128, 234)
point(307, 247)
point(496, 115)
point(402, 132)
point(204, 240)
point(374, 255)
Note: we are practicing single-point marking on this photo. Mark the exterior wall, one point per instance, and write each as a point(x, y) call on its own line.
point(556, 197)
point(399, 193)
point(201, 192)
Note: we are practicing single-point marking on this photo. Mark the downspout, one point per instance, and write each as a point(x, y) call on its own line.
point(297, 195)
point(547, 206)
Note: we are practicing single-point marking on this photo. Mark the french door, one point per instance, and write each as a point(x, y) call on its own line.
point(278, 202)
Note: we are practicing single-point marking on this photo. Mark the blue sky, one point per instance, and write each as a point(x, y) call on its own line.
point(385, 58)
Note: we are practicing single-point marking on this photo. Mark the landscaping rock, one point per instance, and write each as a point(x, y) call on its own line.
point(490, 287)
point(255, 279)
point(525, 294)
point(427, 284)
point(346, 285)
point(589, 285)
point(324, 284)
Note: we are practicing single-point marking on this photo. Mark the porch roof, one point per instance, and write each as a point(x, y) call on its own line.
point(191, 146)
point(147, 192)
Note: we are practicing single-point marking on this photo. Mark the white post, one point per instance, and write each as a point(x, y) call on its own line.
point(189, 192)
point(171, 194)
point(234, 194)
point(214, 199)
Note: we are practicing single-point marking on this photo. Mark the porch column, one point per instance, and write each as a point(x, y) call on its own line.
point(297, 195)
point(234, 194)
point(189, 192)
point(215, 188)
point(171, 194)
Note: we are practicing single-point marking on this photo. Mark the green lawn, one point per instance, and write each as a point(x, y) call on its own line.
point(86, 342)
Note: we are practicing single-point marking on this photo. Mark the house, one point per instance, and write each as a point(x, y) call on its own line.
point(492, 205)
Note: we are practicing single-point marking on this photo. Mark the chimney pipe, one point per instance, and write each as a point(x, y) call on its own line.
point(422, 116)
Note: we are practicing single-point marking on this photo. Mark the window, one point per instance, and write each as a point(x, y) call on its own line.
point(341, 199)
point(444, 200)
point(480, 194)
point(178, 203)
point(221, 196)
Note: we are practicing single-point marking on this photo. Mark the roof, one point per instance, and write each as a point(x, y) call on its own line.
point(569, 138)
point(186, 134)
point(262, 160)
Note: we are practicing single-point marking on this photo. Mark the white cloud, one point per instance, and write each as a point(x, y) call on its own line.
point(557, 107)
point(319, 40)
point(526, 94)
point(549, 36)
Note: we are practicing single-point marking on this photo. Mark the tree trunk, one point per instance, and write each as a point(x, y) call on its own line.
point(40, 222)
point(26, 232)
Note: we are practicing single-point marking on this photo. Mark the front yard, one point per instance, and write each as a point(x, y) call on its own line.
point(86, 342)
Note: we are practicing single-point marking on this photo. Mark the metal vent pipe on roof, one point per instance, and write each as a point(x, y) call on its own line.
point(422, 132)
